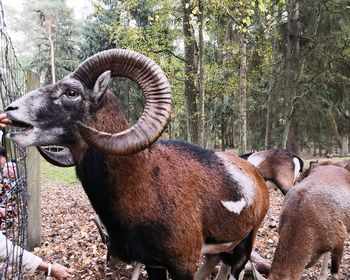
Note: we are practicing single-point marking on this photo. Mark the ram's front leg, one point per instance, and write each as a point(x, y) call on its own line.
point(137, 271)
point(209, 264)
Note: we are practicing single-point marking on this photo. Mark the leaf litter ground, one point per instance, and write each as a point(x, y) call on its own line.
point(70, 237)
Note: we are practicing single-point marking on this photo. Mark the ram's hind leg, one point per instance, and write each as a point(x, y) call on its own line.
point(137, 271)
point(183, 270)
point(181, 274)
point(239, 256)
point(156, 273)
point(224, 272)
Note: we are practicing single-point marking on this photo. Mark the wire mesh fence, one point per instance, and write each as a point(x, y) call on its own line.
point(13, 178)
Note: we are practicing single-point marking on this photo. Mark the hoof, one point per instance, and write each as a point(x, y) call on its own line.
point(273, 224)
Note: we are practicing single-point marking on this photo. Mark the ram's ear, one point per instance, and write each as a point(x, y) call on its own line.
point(100, 86)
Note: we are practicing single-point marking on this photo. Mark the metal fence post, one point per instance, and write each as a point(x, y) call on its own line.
point(33, 181)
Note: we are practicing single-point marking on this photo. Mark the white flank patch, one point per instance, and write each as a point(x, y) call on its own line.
point(296, 168)
point(234, 206)
point(217, 248)
point(256, 159)
point(244, 182)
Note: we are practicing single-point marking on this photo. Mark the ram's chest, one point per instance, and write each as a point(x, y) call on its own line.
point(136, 232)
point(93, 174)
point(145, 242)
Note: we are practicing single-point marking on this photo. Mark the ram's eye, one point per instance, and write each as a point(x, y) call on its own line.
point(71, 93)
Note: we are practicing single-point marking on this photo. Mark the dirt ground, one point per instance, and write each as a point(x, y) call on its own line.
point(70, 237)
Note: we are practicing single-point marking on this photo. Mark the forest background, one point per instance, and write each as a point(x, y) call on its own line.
point(245, 75)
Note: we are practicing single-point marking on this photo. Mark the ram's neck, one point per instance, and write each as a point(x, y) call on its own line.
point(108, 118)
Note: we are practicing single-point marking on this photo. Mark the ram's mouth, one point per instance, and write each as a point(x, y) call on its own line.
point(21, 127)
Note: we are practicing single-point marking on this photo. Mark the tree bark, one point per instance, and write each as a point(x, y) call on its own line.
point(270, 98)
point(52, 52)
point(293, 136)
point(223, 124)
point(290, 139)
point(127, 99)
point(223, 134)
point(269, 120)
point(345, 137)
point(345, 145)
point(243, 93)
point(190, 74)
point(272, 84)
point(201, 81)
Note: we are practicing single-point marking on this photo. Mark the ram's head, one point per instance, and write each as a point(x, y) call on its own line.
point(70, 110)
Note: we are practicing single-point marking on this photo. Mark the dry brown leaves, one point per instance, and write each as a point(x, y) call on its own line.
point(70, 237)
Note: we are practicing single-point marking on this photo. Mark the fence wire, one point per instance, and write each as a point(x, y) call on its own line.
point(13, 178)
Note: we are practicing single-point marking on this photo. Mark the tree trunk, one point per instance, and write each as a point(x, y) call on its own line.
point(290, 139)
point(345, 137)
point(269, 120)
point(329, 145)
point(243, 93)
point(271, 98)
point(201, 82)
point(190, 74)
point(293, 138)
point(223, 134)
point(345, 145)
point(272, 84)
point(52, 52)
point(333, 128)
point(127, 99)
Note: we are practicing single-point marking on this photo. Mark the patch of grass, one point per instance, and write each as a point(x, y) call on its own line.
point(51, 174)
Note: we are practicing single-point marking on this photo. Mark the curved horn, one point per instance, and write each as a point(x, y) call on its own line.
point(62, 158)
point(154, 85)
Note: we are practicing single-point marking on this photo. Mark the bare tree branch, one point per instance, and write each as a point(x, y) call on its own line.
point(322, 70)
point(341, 110)
point(169, 52)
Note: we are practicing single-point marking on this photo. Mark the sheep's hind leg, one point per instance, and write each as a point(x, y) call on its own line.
point(272, 220)
point(324, 268)
point(260, 264)
point(337, 254)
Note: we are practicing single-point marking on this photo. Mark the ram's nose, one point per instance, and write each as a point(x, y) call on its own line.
point(11, 108)
point(8, 114)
